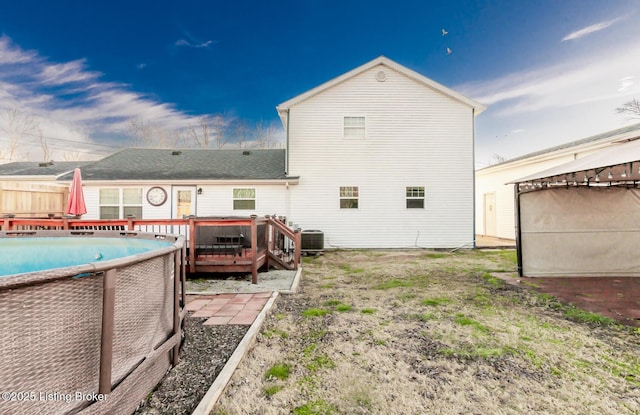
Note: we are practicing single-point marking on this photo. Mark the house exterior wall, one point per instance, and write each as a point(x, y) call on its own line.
point(215, 200)
point(415, 136)
point(494, 179)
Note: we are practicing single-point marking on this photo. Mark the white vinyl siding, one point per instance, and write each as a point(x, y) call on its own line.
point(413, 133)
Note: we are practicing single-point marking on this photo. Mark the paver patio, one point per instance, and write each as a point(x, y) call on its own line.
point(222, 309)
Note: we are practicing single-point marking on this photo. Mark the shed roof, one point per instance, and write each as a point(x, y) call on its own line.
point(187, 164)
point(381, 60)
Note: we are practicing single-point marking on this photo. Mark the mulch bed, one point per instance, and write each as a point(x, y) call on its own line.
point(204, 353)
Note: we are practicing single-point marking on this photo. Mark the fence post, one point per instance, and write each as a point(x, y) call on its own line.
point(108, 317)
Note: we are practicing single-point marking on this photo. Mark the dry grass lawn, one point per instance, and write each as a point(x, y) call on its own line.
point(419, 332)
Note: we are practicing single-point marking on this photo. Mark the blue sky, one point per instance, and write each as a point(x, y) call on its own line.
point(549, 71)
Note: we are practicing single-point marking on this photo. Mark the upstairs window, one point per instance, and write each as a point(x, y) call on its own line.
point(244, 199)
point(349, 197)
point(354, 127)
point(415, 197)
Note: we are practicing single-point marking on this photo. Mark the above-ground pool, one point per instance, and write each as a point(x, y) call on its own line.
point(89, 320)
point(20, 255)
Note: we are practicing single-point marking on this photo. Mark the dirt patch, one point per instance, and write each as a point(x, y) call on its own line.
point(398, 332)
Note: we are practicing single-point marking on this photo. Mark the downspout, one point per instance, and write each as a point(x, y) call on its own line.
point(473, 172)
point(516, 193)
point(286, 161)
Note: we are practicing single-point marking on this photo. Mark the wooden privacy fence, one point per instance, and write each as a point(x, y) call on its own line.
point(24, 199)
point(214, 244)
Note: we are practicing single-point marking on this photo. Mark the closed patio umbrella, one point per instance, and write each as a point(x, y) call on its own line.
point(76, 205)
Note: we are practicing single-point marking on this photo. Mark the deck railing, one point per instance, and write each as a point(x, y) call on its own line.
point(214, 244)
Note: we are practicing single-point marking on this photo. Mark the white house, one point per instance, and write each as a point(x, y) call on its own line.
point(495, 210)
point(385, 159)
point(380, 157)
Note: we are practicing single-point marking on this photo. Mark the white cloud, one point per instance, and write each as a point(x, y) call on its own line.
point(71, 102)
point(590, 29)
point(11, 54)
point(183, 42)
point(578, 81)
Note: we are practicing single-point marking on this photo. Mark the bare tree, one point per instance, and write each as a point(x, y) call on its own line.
point(147, 134)
point(264, 136)
point(631, 108)
point(17, 124)
point(496, 159)
point(241, 134)
point(47, 153)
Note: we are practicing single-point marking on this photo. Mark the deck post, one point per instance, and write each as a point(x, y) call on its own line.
point(254, 250)
point(267, 227)
point(192, 244)
point(108, 317)
point(298, 247)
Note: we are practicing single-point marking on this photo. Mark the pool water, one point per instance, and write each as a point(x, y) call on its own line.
point(22, 255)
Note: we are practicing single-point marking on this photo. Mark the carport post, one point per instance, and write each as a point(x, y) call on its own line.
point(516, 192)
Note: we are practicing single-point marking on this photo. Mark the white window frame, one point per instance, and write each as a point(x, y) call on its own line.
point(254, 198)
point(349, 193)
point(347, 119)
point(415, 193)
point(120, 204)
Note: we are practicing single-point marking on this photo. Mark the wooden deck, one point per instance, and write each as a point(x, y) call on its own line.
point(214, 244)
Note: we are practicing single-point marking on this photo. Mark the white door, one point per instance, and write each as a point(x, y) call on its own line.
point(184, 201)
point(490, 214)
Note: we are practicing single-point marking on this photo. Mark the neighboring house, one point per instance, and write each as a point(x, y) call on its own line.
point(495, 212)
point(163, 184)
point(380, 157)
point(581, 218)
point(385, 159)
point(29, 189)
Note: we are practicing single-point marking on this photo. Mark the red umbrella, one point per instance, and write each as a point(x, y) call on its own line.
point(76, 205)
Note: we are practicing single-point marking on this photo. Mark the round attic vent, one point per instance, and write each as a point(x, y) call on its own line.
point(381, 76)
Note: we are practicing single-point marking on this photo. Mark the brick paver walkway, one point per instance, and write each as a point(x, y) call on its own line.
point(227, 308)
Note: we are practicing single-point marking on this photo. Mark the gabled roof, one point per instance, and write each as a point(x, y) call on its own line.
point(282, 108)
point(186, 164)
point(34, 168)
point(630, 132)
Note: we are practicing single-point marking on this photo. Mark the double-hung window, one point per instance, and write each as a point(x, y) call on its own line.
point(349, 197)
point(354, 127)
point(244, 199)
point(415, 197)
point(120, 203)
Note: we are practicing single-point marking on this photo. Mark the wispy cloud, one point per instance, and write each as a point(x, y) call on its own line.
point(73, 100)
point(590, 29)
point(183, 42)
point(575, 82)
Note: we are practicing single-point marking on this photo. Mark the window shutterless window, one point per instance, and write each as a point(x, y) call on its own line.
point(118, 203)
point(354, 127)
point(415, 197)
point(244, 199)
point(349, 197)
